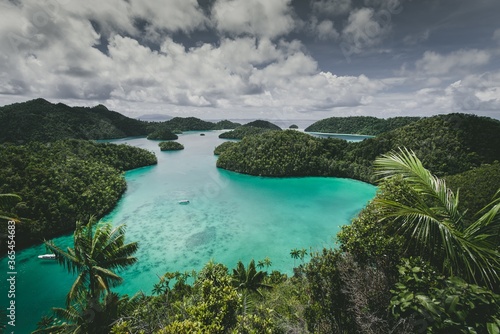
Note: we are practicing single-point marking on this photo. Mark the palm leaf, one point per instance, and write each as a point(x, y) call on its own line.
point(430, 220)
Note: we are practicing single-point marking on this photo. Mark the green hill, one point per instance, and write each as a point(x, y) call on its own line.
point(249, 129)
point(263, 124)
point(63, 182)
point(40, 120)
point(447, 145)
point(362, 125)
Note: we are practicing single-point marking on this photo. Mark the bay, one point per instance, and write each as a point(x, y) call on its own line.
point(230, 217)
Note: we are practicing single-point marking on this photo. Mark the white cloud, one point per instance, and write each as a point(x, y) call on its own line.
point(365, 29)
point(261, 18)
point(433, 63)
point(325, 30)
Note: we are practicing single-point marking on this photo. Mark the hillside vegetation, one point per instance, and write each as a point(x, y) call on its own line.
point(170, 146)
point(362, 125)
point(250, 129)
point(63, 182)
point(448, 144)
point(40, 120)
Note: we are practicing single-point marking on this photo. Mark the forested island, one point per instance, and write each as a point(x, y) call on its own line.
point(170, 146)
point(421, 257)
point(361, 125)
point(448, 144)
point(249, 129)
point(40, 120)
point(62, 182)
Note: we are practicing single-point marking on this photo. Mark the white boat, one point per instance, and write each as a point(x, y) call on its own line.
point(47, 256)
point(184, 201)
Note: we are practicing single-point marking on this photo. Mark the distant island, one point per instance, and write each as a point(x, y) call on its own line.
point(170, 146)
point(252, 128)
point(361, 125)
point(40, 120)
point(448, 144)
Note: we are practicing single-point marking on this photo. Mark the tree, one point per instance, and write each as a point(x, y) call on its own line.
point(431, 221)
point(264, 263)
point(84, 317)
point(249, 279)
point(295, 254)
point(95, 257)
point(7, 202)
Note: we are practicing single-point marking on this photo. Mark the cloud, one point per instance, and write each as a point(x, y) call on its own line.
point(414, 39)
point(433, 63)
point(365, 29)
point(260, 18)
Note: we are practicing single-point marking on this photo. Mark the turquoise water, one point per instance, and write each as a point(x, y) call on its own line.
point(230, 217)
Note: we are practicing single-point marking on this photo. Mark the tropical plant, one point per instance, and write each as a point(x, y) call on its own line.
point(431, 221)
point(99, 249)
point(84, 317)
point(249, 279)
point(266, 262)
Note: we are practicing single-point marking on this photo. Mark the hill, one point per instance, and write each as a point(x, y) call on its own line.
point(362, 125)
point(40, 120)
point(447, 144)
point(249, 129)
point(63, 182)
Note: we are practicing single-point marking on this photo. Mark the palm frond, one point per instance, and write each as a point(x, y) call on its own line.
point(430, 220)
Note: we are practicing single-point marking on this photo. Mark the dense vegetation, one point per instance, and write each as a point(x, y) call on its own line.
point(448, 144)
point(225, 124)
point(188, 124)
point(162, 133)
point(293, 126)
point(250, 129)
point(41, 120)
point(477, 186)
point(362, 125)
point(407, 264)
point(224, 146)
point(170, 146)
point(263, 124)
point(242, 131)
point(64, 181)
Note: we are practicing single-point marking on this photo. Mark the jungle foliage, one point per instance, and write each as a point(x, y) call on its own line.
point(40, 120)
point(361, 125)
point(389, 274)
point(170, 146)
point(249, 129)
point(63, 182)
point(448, 145)
point(162, 133)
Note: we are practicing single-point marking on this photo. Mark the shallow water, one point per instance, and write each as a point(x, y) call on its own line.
point(230, 217)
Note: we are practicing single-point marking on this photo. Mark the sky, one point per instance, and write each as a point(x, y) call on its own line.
point(245, 59)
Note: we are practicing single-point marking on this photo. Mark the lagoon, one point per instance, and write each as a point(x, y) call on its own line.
point(230, 217)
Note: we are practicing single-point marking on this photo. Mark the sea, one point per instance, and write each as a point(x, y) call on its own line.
point(229, 217)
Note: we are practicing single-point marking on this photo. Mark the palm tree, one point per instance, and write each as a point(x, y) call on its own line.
point(295, 254)
point(84, 318)
point(98, 251)
point(249, 279)
point(264, 263)
point(7, 202)
point(432, 222)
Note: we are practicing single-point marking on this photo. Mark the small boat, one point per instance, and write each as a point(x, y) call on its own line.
point(47, 256)
point(202, 134)
point(184, 201)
